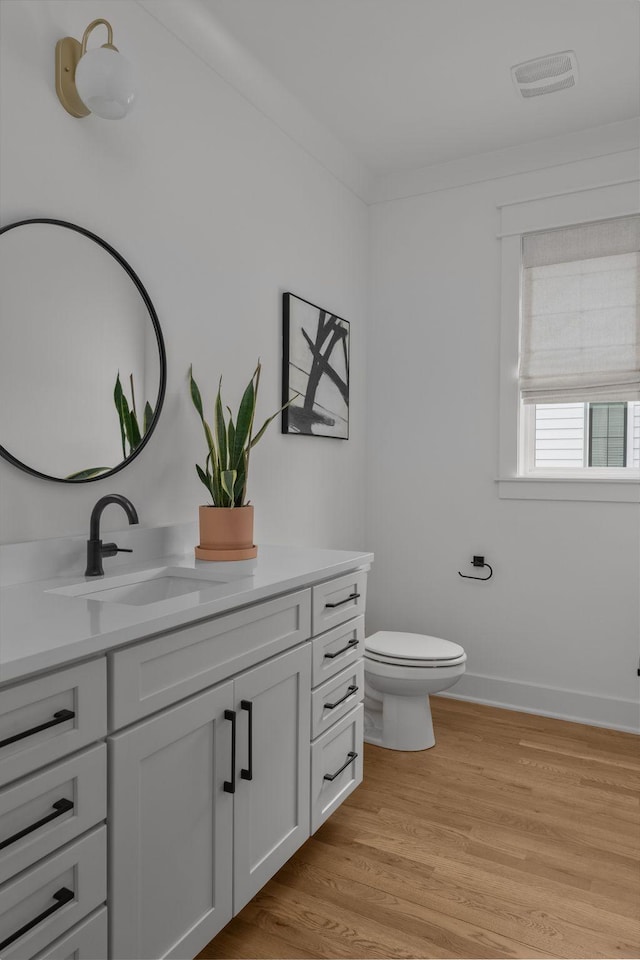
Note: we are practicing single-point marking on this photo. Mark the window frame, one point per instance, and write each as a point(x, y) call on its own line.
point(517, 218)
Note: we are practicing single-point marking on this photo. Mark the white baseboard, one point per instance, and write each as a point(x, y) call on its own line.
point(589, 708)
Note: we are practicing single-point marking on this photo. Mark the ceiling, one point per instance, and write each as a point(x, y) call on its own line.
point(408, 83)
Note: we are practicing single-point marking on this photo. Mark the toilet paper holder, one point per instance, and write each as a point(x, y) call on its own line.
point(478, 561)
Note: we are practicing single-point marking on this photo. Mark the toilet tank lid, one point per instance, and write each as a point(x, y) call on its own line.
point(412, 646)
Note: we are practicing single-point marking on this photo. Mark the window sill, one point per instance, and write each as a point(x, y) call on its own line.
point(618, 490)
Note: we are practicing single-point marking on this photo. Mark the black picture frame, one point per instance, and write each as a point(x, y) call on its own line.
point(316, 355)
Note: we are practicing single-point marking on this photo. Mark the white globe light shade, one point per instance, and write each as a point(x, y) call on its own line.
point(105, 83)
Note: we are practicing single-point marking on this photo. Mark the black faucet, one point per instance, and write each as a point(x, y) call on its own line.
point(96, 549)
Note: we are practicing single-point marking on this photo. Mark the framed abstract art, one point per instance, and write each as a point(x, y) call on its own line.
point(315, 365)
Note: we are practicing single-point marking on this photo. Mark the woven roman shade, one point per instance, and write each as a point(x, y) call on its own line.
point(580, 333)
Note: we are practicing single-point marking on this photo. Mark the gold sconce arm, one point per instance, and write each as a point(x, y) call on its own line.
point(92, 26)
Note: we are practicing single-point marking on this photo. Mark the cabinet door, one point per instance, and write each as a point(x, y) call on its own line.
point(271, 818)
point(171, 830)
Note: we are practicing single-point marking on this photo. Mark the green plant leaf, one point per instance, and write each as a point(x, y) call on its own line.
point(135, 431)
point(85, 474)
point(208, 436)
point(221, 430)
point(133, 397)
point(231, 433)
point(241, 479)
point(125, 418)
point(206, 478)
point(197, 402)
point(246, 412)
point(118, 397)
point(148, 417)
point(195, 394)
point(228, 478)
point(255, 383)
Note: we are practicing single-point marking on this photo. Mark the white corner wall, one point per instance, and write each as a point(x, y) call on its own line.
point(557, 628)
point(219, 212)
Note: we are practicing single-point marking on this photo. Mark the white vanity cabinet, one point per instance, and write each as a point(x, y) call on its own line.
point(192, 762)
point(208, 799)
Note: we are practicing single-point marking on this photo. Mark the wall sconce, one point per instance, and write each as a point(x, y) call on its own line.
point(97, 81)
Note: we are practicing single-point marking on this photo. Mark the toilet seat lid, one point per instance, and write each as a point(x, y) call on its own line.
point(412, 647)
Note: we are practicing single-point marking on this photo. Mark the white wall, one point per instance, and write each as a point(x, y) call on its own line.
point(218, 211)
point(557, 628)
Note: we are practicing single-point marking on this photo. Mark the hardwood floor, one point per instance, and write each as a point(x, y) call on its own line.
point(516, 836)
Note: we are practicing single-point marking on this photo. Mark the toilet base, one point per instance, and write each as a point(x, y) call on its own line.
point(399, 722)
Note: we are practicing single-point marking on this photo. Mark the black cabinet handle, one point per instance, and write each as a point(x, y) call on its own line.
point(59, 807)
point(230, 785)
point(352, 643)
point(58, 717)
point(247, 773)
point(350, 690)
point(352, 596)
point(350, 758)
point(63, 896)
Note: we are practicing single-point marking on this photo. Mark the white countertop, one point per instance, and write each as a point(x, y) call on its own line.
point(40, 630)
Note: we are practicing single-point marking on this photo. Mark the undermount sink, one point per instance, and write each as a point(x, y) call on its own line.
point(143, 587)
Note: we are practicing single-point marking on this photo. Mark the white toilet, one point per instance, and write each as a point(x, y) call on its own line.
point(400, 671)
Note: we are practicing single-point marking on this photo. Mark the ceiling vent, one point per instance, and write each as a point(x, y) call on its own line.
point(557, 71)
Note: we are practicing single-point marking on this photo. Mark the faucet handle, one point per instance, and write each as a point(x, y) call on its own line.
point(110, 549)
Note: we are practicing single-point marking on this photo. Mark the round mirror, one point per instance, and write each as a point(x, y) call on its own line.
point(82, 359)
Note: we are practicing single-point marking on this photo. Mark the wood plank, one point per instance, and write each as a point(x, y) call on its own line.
point(241, 939)
point(515, 912)
point(516, 836)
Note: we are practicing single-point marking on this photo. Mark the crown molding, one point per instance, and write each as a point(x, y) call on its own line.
point(613, 138)
point(192, 23)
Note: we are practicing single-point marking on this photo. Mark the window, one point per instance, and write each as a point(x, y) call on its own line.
point(570, 344)
point(576, 435)
point(579, 358)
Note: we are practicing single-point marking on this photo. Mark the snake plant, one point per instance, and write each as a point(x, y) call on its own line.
point(229, 444)
point(130, 434)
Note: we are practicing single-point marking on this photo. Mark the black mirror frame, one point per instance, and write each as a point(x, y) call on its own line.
point(159, 340)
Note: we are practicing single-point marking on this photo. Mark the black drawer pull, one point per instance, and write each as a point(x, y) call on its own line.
point(350, 690)
point(230, 785)
point(63, 896)
point(58, 717)
point(247, 773)
point(350, 758)
point(352, 596)
point(352, 643)
point(59, 807)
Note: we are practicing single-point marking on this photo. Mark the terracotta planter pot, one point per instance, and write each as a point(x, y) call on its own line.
point(226, 533)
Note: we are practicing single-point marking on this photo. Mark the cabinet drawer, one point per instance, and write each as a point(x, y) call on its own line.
point(150, 676)
point(43, 812)
point(335, 772)
point(336, 697)
point(338, 600)
point(87, 941)
point(337, 649)
point(44, 902)
point(45, 719)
